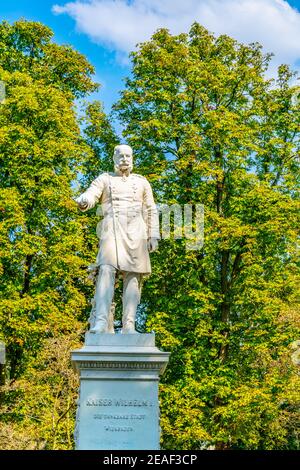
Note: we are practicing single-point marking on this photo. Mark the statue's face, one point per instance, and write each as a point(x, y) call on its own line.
point(123, 158)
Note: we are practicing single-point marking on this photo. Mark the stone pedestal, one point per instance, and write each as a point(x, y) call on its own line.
point(118, 400)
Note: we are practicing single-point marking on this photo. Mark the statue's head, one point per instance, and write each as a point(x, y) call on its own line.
point(123, 158)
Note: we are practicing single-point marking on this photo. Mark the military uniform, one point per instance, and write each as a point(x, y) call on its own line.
point(130, 218)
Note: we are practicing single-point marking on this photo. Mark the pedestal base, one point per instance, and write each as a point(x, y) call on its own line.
point(118, 400)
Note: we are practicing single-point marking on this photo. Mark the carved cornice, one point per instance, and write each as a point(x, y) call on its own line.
point(120, 365)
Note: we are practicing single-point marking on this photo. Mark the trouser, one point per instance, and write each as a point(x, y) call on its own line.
point(105, 292)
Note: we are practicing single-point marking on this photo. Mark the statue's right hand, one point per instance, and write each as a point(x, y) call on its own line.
point(82, 202)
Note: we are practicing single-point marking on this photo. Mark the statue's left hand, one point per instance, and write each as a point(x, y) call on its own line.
point(152, 244)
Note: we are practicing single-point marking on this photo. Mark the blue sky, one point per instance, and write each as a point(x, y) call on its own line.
point(106, 30)
point(108, 72)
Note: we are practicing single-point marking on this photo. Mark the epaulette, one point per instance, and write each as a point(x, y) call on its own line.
point(140, 176)
point(105, 174)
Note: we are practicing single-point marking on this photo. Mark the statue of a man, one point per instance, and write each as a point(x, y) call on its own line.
point(129, 231)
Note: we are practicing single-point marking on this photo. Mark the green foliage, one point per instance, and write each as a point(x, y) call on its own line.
point(207, 127)
point(38, 409)
point(44, 292)
point(26, 46)
point(101, 138)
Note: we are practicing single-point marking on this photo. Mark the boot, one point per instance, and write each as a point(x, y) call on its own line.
point(110, 328)
point(128, 321)
point(99, 327)
point(128, 329)
point(103, 300)
point(131, 299)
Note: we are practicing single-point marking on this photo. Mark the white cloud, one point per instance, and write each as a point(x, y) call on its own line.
point(121, 24)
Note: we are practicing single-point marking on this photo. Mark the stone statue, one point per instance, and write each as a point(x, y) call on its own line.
point(128, 232)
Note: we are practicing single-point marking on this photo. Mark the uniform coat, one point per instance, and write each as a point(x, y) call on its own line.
point(130, 217)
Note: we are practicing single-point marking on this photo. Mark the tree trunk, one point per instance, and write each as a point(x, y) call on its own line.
point(26, 283)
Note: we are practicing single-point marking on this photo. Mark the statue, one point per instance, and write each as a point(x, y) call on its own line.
point(128, 232)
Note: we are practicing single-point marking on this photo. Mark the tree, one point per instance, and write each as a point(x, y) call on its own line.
point(208, 127)
point(44, 246)
point(38, 409)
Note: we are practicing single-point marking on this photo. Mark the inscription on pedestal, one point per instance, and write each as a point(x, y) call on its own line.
point(118, 401)
point(116, 422)
point(119, 418)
